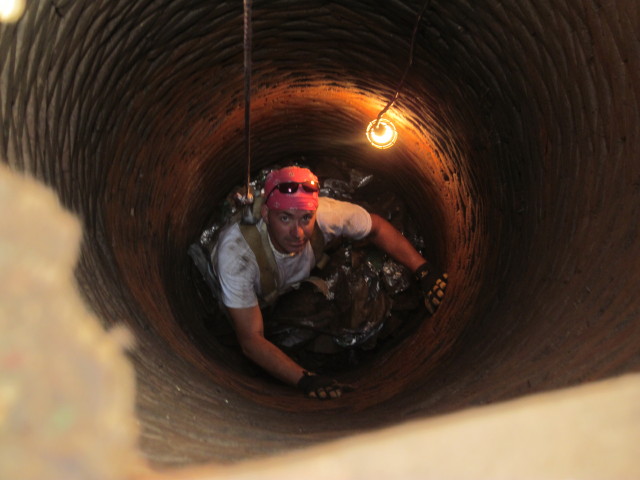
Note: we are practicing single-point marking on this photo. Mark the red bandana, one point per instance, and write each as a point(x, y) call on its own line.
point(300, 199)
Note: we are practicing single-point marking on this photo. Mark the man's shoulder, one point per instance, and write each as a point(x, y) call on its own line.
point(328, 202)
point(230, 232)
point(232, 257)
point(327, 205)
point(337, 218)
point(231, 240)
point(331, 207)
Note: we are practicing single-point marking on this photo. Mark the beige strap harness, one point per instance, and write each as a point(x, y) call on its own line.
point(258, 241)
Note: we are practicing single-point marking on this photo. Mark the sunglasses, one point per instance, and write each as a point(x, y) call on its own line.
point(289, 188)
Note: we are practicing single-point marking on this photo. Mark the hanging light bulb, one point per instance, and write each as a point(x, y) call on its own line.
point(382, 133)
point(11, 10)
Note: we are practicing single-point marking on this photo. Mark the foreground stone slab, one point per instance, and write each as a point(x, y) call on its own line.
point(586, 432)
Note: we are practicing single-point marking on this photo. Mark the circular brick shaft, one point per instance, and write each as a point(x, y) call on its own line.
point(517, 159)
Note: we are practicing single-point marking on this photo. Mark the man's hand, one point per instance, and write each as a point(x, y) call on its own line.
point(319, 386)
point(432, 283)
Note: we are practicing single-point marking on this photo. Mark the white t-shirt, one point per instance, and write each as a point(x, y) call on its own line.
point(236, 267)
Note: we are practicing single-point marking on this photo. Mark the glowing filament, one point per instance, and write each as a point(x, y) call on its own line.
point(11, 10)
point(384, 135)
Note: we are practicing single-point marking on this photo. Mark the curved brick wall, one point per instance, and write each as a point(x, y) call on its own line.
point(518, 160)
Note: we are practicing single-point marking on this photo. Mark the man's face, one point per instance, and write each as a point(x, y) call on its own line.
point(289, 230)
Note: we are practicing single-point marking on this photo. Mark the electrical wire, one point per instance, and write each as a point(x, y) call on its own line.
point(406, 70)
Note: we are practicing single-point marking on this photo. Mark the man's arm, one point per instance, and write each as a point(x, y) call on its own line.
point(250, 332)
point(249, 328)
point(432, 282)
point(388, 239)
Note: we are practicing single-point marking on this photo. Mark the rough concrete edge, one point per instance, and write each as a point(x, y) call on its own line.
point(588, 432)
point(67, 390)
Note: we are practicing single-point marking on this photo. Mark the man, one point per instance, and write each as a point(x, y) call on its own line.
point(291, 211)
